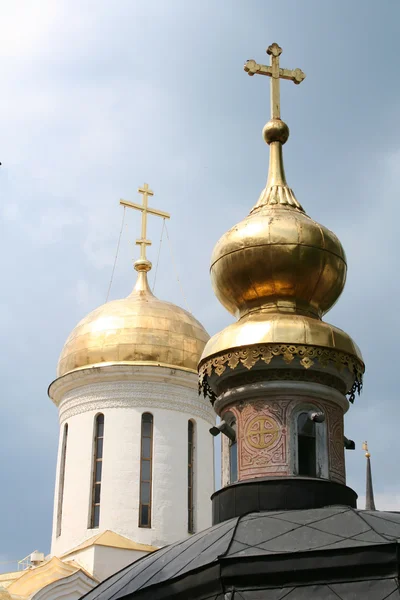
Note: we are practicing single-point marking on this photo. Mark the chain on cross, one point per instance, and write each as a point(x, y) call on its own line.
point(276, 73)
point(145, 210)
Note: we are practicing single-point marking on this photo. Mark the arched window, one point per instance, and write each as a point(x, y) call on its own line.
point(306, 445)
point(97, 470)
point(308, 441)
point(233, 461)
point(190, 476)
point(146, 467)
point(61, 479)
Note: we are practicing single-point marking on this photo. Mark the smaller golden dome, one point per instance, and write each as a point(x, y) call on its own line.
point(135, 330)
point(278, 258)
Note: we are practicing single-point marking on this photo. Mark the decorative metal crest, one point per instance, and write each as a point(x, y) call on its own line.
point(308, 355)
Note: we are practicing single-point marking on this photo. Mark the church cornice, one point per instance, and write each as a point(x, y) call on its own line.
point(134, 394)
point(117, 372)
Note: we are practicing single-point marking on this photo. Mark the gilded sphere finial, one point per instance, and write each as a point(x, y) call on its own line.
point(276, 130)
point(142, 264)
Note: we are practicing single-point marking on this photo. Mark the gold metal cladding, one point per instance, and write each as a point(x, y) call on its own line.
point(137, 329)
point(260, 328)
point(308, 355)
point(280, 260)
point(143, 264)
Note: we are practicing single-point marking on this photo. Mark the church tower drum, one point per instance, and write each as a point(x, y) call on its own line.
point(279, 376)
point(132, 427)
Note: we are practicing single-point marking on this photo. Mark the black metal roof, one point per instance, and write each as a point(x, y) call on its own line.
point(327, 553)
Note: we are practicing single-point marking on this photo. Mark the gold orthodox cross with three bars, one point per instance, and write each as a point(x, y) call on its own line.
point(273, 71)
point(145, 209)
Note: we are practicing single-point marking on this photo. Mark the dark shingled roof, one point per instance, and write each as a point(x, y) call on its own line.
point(327, 553)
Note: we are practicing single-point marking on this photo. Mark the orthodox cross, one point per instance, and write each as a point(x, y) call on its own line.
point(145, 209)
point(276, 73)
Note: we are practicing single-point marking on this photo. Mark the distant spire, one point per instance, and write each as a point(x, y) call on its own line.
point(369, 494)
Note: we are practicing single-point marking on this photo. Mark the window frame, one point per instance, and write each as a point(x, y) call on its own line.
point(190, 486)
point(95, 503)
point(305, 446)
point(232, 446)
point(321, 442)
point(61, 481)
point(147, 524)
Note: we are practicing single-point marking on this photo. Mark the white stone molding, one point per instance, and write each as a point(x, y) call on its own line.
point(139, 394)
point(121, 372)
point(69, 588)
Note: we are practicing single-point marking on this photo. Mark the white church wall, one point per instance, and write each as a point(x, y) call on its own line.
point(110, 560)
point(123, 394)
point(84, 558)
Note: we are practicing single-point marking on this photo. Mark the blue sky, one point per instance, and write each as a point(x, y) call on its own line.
point(98, 98)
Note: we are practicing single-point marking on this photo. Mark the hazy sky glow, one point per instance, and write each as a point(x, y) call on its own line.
point(99, 97)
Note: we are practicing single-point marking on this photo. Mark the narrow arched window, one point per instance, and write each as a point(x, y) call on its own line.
point(97, 470)
point(233, 461)
point(61, 479)
point(306, 445)
point(190, 477)
point(146, 467)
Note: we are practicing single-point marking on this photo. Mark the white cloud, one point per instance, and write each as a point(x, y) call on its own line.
point(25, 26)
point(86, 296)
point(51, 226)
point(11, 211)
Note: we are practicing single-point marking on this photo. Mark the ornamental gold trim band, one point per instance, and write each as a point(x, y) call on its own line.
point(308, 355)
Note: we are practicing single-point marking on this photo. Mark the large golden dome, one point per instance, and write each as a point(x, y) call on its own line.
point(135, 330)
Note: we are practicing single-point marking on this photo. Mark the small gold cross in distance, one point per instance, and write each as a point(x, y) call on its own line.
point(273, 71)
point(145, 210)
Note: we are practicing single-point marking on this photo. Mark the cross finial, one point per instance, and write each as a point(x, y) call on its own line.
point(275, 132)
point(365, 448)
point(143, 264)
point(276, 73)
point(369, 491)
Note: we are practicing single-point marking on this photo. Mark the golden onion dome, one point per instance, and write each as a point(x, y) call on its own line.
point(278, 258)
point(139, 329)
point(278, 271)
